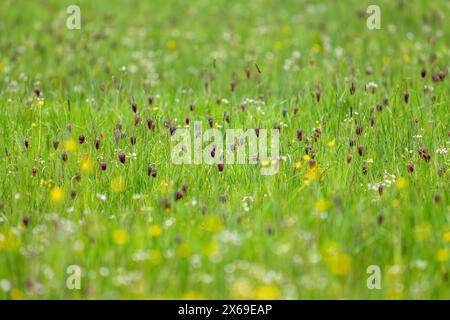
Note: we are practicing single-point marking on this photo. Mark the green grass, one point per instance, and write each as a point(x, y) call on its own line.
point(294, 240)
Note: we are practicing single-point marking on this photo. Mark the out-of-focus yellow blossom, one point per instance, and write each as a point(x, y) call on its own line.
point(9, 240)
point(87, 164)
point(331, 143)
point(120, 237)
point(155, 231)
point(155, 257)
point(33, 125)
point(446, 237)
point(70, 145)
point(321, 205)
point(212, 224)
point(266, 292)
point(312, 174)
point(16, 294)
point(298, 165)
point(422, 232)
point(164, 186)
point(306, 157)
point(210, 249)
point(401, 183)
point(442, 255)
point(339, 263)
point(171, 44)
point(118, 184)
point(241, 289)
point(406, 58)
point(56, 195)
point(41, 103)
point(184, 250)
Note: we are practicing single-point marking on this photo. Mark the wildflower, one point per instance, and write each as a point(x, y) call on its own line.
point(122, 157)
point(87, 164)
point(352, 88)
point(120, 237)
point(55, 144)
point(331, 143)
point(34, 171)
point(136, 119)
point(97, 144)
point(321, 205)
point(210, 249)
point(410, 168)
point(266, 292)
point(210, 122)
point(297, 165)
point(134, 107)
point(442, 255)
point(446, 237)
point(359, 130)
point(133, 140)
point(118, 184)
point(257, 131)
point(339, 263)
point(151, 171)
point(233, 85)
point(360, 150)
point(81, 139)
point(299, 134)
point(220, 166)
point(351, 142)
point(56, 195)
point(25, 221)
point(179, 195)
point(150, 124)
point(401, 183)
point(26, 142)
point(155, 231)
point(172, 130)
point(70, 145)
point(423, 72)
point(103, 166)
point(64, 156)
point(423, 153)
point(406, 96)
point(212, 224)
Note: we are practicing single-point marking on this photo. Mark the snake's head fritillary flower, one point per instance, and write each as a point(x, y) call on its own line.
point(406, 96)
point(137, 119)
point(299, 134)
point(187, 120)
point(172, 130)
point(133, 140)
point(359, 130)
point(410, 167)
point(150, 99)
point(55, 144)
point(97, 144)
point(233, 84)
point(423, 72)
point(150, 124)
point(25, 221)
point(191, 107)
point(151, 172)
point(64, 156)
point(220, 166)
point(122, 157)
point(210, 122)
point(360, 150)
point(257, 131)
point(81, 139)
point(134, 107)
point(103, 166)
point(26, 143)
point(34, 171)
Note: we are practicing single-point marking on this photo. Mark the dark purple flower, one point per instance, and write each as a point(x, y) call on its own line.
point(64, 156)
point(97, 144)
point(187, 120)
point(134, 107)
point(103, 166)
point(359, 130)
point(172, 130)
point(150, 99)
point(299, 134)
point(210, 122)
point(284, 112)
point(423, 72)
point(122, 157)
point(55, 144)
point(81, 139)
point(26, 142)
point(424, 154)
point(257, 131)
point(25, 221)
point(133, 140)
point(360, 150)
point(151, 171)
point(410, 167)
point(179, 195)
point(220, 166)
point(406, 96)
point(137, 119)
point(150, 124)
point(352, 88)
point(191, 107)
point(295, 110)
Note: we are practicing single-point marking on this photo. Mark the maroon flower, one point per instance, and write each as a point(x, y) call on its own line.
point(64, 156)
point(423, 153)
point(220, 166)
point(406, 96)
point(103, 166)
point(172, 130)
point(26, 142)
point(134, 107)
point(34, 171)
point(137, 119)
point(410, 167)
point(359, 130)
point(423, 72)
point(299, 134)
point(25, 221)
point(81, 139)
point(133, 140)
point(150, 124)
point(360, 150)
point(150, 100)
point(55, 144)
point(151, 171)
point(97, 144)
point(187, 120)
point(257, 131)
point(210, 122)
point(122, 157)
point(179, 195)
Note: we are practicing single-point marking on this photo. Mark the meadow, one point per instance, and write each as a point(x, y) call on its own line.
point(87, 118)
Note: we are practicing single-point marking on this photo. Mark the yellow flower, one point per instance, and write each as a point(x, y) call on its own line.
point(171, 44)
point(210, 249)
point(120, 237)
point(298, 165)
point(331, 143)
point(212, 224)
point(70, 145)
point(41, 103)
point(321, 205)
point(401, 183)
point(9, 240)
point(165, 186)
point(442, 255)
point(422, 232)
point(446, 237)
point(155, 231)
point(155, 257)
point(340, 263)
point(306, 157)
point(266, 292)
point(16, 294)
point(56, 195)
point(118, 184)
point(184, 250)
point(87, 164)
point(241, 289)
point(33, 125)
